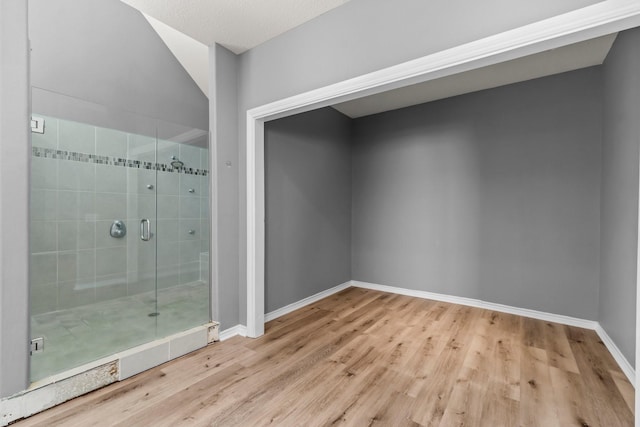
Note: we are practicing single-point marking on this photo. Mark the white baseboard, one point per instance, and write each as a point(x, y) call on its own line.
point(624, 364)
point(541, 315)
point(233, 331)
point(306, 301)
point(242, 329)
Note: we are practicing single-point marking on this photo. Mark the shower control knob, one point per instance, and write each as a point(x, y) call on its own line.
point(192, 190)
point(150, 186)
point(118, 229)
point(192, 231)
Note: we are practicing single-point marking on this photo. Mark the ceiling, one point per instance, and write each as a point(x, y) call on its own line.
point(192, 55)
point(238, 25)
point(188, 26)
point(567, 58)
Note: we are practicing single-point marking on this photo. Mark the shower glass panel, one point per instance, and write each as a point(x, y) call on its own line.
point(118, 239)
point(183, 228)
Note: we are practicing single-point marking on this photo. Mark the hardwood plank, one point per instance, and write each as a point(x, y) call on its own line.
point(434, 396)
point(322, 384)
point(533, 333)
point(465, 404)
point(537, 406)
point(336, 397)
point(346, 302)
point(503, 324)
point(502, 395)
point(185, 402)
point(558, 348)
point(594, 363)
point(567, 391)
point(625, 388)
point(422, 363)
point(291, 318)
point(396, 410)
point(374, 405)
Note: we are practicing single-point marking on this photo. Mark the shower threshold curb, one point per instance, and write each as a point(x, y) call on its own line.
point(59, 388)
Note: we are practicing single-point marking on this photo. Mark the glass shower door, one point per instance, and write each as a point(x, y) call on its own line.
point(139, 308)
point(93, 225)
point(119, 231)
point(183, 228)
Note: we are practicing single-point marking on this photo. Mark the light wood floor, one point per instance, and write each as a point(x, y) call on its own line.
point(362, 358)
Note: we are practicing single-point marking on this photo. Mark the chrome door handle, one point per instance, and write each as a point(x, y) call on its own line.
point(145, 234)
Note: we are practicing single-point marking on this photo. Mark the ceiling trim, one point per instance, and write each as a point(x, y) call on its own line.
point(593, 21)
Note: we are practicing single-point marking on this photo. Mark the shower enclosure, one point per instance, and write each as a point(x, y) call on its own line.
point(119, 231)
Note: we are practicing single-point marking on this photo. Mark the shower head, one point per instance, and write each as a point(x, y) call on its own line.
point(176, 162)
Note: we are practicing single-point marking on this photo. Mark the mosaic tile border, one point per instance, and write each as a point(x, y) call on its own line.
point(51, 153)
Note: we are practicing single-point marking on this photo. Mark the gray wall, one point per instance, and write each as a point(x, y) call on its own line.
point(14, 201)
point(308, 205)
point(225, 165)
point(105, 52)
point(367, 35)
point(359, 37)
point(619, 226)
point(492, 195)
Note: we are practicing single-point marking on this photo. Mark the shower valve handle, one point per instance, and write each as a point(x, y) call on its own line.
point(118, 229)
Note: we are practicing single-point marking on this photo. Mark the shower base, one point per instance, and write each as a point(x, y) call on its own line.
point(83, 334)
point(83, 379)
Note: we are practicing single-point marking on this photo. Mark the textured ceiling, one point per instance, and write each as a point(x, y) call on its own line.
point(237, 25)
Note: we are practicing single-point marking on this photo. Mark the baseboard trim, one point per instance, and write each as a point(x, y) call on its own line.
point(241, 330)
point(306, 301)
point(622, 361)
point(541, 315)
point(233, 331)
point(624, 364)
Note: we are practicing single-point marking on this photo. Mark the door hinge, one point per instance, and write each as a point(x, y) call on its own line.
point(37, 345)
point(37, 124)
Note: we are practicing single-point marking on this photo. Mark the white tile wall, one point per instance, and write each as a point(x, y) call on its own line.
point(74, 259)
point(111, 142)
point(73, 136)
